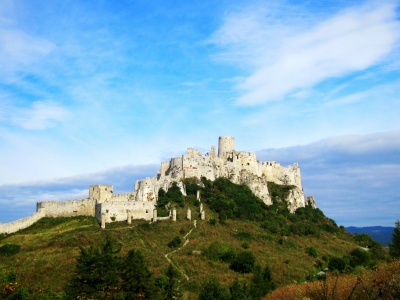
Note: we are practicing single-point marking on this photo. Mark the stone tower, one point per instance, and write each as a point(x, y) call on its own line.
point(102, 193)
point(225, 144)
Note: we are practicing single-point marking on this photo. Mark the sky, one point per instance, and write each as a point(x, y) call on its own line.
point(102, 92)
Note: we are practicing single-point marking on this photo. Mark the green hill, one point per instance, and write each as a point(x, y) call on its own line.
point(294, 246)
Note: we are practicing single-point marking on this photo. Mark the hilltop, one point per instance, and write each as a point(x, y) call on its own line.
point(295, 246)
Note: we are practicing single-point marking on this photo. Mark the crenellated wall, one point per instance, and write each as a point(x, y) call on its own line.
point(123, 197)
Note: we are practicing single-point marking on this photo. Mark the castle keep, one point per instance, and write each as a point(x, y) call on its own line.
point(241, 167)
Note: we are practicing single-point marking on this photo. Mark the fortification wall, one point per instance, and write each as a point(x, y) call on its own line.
point(118, 211)
point(69, 208)
point(123, 197)
point(21, 223)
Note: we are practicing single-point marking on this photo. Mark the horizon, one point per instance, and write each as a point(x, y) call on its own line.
point(107, 91)
point(332, 202)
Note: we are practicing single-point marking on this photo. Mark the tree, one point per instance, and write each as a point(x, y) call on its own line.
point(261, 283)
point(237, 291)
point(96, 272)
point(171, 288)
point(394, 246)
point(136, 277)
point(211, 290)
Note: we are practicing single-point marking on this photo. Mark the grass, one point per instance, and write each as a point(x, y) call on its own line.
point(383, 283)
point(48, 249)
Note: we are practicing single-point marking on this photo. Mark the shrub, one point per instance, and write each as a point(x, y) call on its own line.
point(245, 245)
point(358, 257)
point(337, 264)
point(9, 249)
point(212, 222)
point(222, 252)
point(176, 242)
point(242, 235)
point(244, 262)
point(312, 251)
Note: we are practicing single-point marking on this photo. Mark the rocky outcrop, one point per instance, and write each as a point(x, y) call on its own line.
point(241, 167)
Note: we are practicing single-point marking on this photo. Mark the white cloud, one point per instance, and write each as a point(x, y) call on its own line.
point(287, 57)
point(357, 173)
point(42, 115)
point(19, 49)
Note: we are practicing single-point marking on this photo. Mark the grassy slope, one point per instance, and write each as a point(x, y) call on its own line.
point(49, 248)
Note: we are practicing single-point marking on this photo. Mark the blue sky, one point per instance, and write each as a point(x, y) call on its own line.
point(102, 92)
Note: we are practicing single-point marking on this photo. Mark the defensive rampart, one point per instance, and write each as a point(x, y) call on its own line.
point(69, 208)
point(21, 223)
point(118, 210)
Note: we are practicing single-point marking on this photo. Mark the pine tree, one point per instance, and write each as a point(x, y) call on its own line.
point(394, 246)
point(261, 283)
point(237, 291)
point(96, 272)
point(171, 289)
point(136, 277)
point(211, 290)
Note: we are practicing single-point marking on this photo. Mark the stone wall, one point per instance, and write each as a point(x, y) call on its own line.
point(118, 210)
point(69, 208)
point(21, 223)
point(123, 197)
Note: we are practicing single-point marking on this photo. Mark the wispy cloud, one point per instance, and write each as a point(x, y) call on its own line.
point(41, 115)
point(18, 50)
point(19, 200)
point(354, 173)
point(285, 58)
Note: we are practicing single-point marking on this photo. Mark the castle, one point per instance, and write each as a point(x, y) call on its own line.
point(240, 167)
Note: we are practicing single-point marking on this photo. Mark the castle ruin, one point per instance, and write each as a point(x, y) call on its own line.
point(241, 167)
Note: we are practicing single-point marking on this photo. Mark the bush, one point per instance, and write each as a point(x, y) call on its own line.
point(245, 245)
point(358, 257)
point(312, 251)
point(9, 249)
point(242, 235)
point(337, 264)
point(244, 262)
point(222, 252)
point(176, 242)
point(212, 222)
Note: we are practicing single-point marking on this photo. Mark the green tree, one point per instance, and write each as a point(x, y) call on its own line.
point(211, 290)
point(237, 291)
point(394, 246)
point(136, 277)
point(171, 288)
point(96, 272)
point(261, 282)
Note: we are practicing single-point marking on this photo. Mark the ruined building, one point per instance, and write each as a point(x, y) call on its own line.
point(241, 167)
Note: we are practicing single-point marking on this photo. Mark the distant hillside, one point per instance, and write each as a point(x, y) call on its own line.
point(380, 234)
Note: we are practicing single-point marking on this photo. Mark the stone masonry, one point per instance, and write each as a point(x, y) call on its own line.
point(241, 167)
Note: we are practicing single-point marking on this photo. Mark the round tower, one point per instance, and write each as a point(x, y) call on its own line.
point(225, 144)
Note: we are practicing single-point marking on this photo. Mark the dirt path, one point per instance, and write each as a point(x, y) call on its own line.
point(167, 256)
